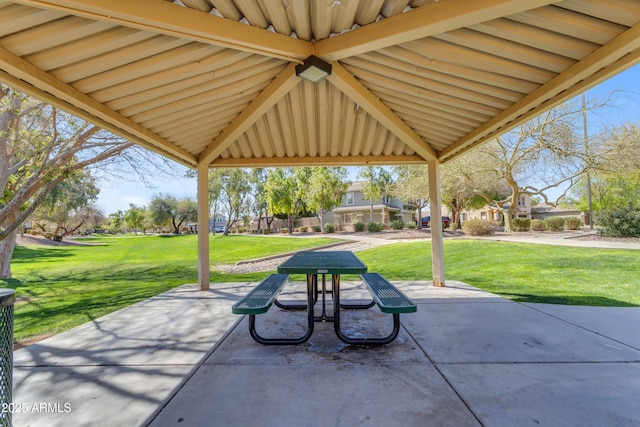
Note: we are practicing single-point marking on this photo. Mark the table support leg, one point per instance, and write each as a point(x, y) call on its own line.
point(358, 341)
point(311, 290)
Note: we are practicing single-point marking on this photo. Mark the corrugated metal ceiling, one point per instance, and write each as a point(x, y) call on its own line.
point(213, 80)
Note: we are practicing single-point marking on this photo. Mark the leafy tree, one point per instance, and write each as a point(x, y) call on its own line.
point(232, 188)
point(116, 221)
point(134, 217)
point(284, 193)
point(169, 210)
point(412, 187)
point(260, 204)
point(69, 204)
point(464, 179)
point(377, 183)
point(323, 189)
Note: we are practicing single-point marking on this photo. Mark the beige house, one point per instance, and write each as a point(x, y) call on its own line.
point(492, 213)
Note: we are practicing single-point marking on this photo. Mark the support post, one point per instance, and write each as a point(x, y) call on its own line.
point(437, 247)
point(203, 226)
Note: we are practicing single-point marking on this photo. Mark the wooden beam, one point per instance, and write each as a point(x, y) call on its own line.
point(164, 17)
point(352, 88)
point(278, 88)
point(424, 21)
point(266, 162)
point(621, 53)
point(30, 79)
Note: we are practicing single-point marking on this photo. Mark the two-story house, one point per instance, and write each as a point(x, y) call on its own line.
point(356, 208)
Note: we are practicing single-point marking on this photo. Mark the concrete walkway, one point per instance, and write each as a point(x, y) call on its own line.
point(466, 358)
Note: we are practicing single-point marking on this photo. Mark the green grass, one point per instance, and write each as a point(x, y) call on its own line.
point(61, 287)
point(522, 272)
point(64, 286)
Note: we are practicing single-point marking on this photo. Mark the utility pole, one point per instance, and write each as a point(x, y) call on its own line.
point(586, 148)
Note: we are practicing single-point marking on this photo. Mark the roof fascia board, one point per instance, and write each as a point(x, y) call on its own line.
point(318, 161)
point(46, 87)
point(617, 55)
point(163, 17)
point(353, 89)
point(424, 21)
point(278, 88)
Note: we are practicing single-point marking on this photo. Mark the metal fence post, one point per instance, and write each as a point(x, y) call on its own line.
point(7, 300)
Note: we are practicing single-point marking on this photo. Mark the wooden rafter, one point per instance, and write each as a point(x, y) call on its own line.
point(280, 86)
point(32, 80)
point(434, 18)
point(343, 80)
point(166, 18)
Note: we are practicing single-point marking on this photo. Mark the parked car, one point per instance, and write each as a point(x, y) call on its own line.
point(445, 221)
point(220, 228)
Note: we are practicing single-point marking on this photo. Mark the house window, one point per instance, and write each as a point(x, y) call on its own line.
point(521, 201)
point(483, 215)
point(350, 198)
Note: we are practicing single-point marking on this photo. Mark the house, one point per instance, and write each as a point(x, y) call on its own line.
point(218, 222)
point(524, 210)
point(355, 207)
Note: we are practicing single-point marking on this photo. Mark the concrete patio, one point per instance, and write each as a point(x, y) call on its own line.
point(467, 357)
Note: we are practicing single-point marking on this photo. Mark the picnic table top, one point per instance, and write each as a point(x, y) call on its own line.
point(325, 262)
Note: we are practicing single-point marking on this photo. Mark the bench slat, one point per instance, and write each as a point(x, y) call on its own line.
point(389, 298)
point(261, 297)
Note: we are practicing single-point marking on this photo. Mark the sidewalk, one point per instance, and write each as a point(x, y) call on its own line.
point(466, 358)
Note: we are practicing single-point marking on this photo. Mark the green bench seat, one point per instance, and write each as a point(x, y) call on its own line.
point(389, 298)
point(260, 299)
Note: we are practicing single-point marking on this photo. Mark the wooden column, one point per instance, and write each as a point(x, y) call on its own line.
point(203, 226)
point(437, 247)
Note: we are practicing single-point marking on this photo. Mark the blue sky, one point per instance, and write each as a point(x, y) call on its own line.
point(118, 195)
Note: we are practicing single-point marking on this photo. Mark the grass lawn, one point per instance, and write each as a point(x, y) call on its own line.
point(522, 272)
point(64, 286)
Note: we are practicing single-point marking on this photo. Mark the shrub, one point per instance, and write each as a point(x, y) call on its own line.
point(397, 225)
point(554, 224)
point(265, 231)
point(479, 227)
point(358, 226)
point(317, 228)
point(412, 225)
point(48, 235)
point(375, 227)
point(521, 224)
point(329, 228)
point(453, 226)
point(538, 225)
point(572, 223)
point(284, 230)
point(619, 222)
point(57, 238)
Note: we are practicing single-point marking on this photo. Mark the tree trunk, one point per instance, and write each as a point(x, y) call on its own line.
point(371, 210)
point(6, 249)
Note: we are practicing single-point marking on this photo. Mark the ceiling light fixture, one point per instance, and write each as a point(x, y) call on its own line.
point(313, 69)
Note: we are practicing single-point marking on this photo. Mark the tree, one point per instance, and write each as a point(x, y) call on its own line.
point(412, 187)
point(284, 193)
point(541, 155)
point(69, 204)
point(260, 204)
point(615, 178)
point(169, 210)
point(464, 179)
point(40, 146)
point(134, 217)
point(376, 186)
point(232, 188)
point(323, 189)
point(116, 221)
